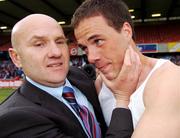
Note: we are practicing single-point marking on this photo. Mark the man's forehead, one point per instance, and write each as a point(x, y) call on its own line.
point(90, 26)
point(38, 30)
point(44, 36)
point(34, 21)
point(88, 35)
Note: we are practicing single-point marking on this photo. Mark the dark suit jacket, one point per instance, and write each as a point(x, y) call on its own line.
point(32, 113)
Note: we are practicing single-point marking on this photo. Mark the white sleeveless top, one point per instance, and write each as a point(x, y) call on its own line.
point(136, 104)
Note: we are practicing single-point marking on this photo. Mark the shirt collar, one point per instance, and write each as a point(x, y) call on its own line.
point(56, 92)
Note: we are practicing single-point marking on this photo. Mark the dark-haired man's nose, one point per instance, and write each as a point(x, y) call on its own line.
point(93, 55)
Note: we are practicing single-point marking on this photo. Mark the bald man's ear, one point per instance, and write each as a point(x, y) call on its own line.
point(15, 57)
point(127, 30)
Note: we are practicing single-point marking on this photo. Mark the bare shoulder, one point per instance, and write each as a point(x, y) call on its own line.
point(161, 98)
point(164, 84)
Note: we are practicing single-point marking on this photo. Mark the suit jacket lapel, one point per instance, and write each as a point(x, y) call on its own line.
point(47, 101)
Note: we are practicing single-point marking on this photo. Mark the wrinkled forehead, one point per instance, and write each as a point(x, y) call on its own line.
point(36, 22)
point(36, 25)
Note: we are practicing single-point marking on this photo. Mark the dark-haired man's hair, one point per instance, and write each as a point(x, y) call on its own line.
point(115, 13)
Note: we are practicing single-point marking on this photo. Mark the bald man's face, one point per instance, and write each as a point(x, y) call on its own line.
point(42, 51)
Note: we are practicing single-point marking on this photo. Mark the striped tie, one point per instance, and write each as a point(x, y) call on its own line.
point(86, 116)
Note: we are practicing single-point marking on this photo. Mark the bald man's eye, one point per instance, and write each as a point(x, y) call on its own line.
point(61, 41)
point(40, 44)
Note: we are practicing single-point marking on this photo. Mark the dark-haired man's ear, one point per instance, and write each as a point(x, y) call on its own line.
point(127, 30)
point(15, 57)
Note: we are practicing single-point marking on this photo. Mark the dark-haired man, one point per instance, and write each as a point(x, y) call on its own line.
point(104, 30)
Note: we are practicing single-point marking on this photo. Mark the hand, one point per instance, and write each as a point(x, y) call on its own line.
point(126, 82)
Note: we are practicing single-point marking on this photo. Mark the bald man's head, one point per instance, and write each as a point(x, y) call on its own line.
point(29, 23)
point(40, 49)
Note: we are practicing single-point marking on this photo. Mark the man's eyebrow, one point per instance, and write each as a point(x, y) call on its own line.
point(36, 37)
point(44, 37)
point(61, 37)
point(89, 39)
point(93, 37)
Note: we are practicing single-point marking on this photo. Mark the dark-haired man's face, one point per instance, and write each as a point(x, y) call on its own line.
point(104, 46)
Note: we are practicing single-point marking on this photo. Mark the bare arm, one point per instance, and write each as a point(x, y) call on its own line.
point(161, 118)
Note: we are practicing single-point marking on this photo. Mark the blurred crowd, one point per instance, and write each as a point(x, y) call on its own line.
point(9, 71)
point(174, 58)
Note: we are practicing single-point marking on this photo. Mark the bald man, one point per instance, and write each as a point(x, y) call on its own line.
point(38, 108)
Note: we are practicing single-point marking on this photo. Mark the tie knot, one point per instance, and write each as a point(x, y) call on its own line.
point(68, 89)
point(68, 94)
